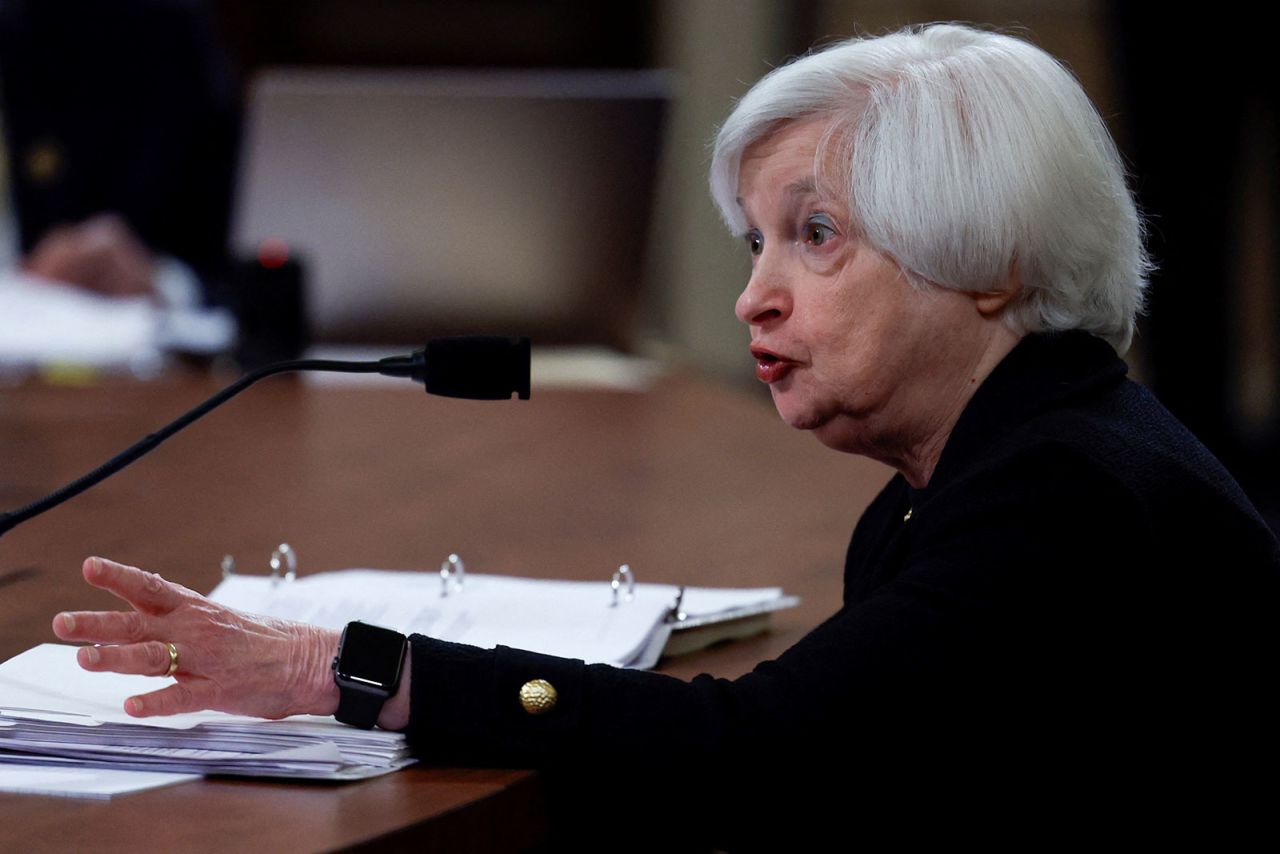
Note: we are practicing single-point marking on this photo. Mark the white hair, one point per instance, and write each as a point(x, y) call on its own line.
point(967, 156)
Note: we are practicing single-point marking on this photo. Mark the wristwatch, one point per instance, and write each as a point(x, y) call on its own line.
point(367, 671)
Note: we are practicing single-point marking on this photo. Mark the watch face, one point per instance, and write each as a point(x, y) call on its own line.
point(371, 655)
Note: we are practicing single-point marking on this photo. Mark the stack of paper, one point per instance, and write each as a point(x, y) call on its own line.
point(54, 714)
point(573, 619)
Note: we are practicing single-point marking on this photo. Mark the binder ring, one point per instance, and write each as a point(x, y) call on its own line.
point(453, 572)
point(290, 559)
point(624, 573)
point(677, 613)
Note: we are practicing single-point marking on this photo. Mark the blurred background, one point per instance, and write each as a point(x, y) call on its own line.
point(376, 171)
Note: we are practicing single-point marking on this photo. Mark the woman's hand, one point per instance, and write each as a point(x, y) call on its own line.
point(229, 661)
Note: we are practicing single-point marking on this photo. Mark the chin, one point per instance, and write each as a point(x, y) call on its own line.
point(836, 440)
point(836, 432)
point(797, 416)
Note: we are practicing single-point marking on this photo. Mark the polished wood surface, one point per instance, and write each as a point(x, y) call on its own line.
point(689, 483)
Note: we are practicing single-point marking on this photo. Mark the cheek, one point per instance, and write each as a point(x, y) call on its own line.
point(871, 349)
point(853, 334)
point(858, 319)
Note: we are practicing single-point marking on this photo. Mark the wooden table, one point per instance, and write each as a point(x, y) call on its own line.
point(689, 483)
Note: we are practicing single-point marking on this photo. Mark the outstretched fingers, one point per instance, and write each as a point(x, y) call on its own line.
point(101, 626)
point(220, 658)
point(146, 591)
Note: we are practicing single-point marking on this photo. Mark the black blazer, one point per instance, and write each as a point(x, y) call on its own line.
point(1077, 612)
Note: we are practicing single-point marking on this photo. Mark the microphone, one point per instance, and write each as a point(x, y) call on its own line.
point(475, 367)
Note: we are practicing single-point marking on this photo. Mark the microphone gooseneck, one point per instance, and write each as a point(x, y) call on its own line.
point(479, 367)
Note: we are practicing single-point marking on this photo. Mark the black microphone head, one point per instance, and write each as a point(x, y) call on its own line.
point(478, 367)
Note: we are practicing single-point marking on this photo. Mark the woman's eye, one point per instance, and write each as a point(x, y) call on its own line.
point(755, 242)
point(818, 231)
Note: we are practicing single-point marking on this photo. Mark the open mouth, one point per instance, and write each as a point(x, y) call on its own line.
point(763, 355)
point(770, 367)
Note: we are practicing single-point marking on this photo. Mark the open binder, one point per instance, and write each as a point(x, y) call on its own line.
point(616, 621)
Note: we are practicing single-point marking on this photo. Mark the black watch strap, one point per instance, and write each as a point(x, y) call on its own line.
point(359, 708)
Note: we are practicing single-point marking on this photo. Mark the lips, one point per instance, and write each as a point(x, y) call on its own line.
point(771, 367)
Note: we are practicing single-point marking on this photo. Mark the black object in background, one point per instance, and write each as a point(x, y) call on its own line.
point(268, 295)
point(1186, 146)
point(127, 106)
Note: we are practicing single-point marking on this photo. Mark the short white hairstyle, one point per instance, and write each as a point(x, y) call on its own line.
point(967, 155)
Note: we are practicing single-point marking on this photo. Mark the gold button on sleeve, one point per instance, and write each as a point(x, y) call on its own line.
point(537, 696)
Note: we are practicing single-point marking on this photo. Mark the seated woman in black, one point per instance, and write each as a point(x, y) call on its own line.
point(1061, 603)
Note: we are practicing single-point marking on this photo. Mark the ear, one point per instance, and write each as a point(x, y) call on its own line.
point(991, 303)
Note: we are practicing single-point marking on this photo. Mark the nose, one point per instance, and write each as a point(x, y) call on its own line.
point(766, 298)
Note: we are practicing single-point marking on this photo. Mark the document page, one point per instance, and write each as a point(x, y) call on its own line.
point(36, 779)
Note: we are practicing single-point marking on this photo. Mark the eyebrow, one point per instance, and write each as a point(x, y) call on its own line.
point(805, 187)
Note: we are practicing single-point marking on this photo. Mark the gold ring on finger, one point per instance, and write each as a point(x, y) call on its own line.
point(173, 660)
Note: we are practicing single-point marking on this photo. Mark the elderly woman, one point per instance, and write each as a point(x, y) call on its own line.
point(945, 263)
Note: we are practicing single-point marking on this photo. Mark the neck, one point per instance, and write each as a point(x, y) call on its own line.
point(919, 456)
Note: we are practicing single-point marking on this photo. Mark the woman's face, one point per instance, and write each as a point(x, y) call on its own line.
point(849, 348)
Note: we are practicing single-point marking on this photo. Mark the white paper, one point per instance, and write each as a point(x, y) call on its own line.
point(51, 323)
point(46, 682)
point(35, 779)
point(45, 322)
